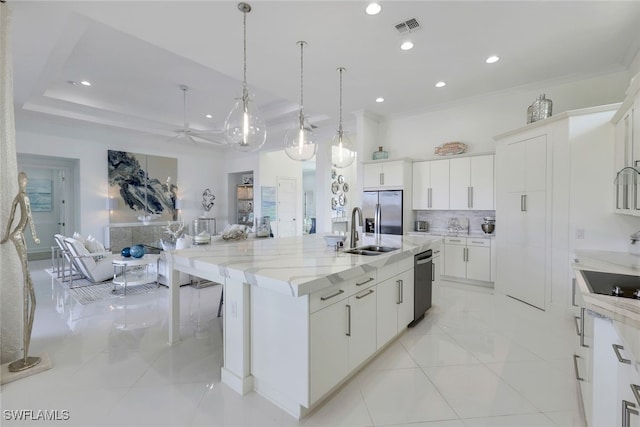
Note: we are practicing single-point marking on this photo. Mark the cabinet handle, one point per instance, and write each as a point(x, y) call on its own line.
point(475, 241)
point(401, 291)
point(626, 412)
point(469, 197)
point(348, 320)
point(582, 310)
point(364, 295)
point(433, 274)
point(365, 282)
point(429, 197)
point(332, 295)
point(381, 178)
point(399, 299)
point(573, 292)
point(575, 367)
point(616, 350)
point(523, 202)
point(636, 392)
point(576, 318)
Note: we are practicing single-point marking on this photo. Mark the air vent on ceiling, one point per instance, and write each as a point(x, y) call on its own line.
point(408, 26)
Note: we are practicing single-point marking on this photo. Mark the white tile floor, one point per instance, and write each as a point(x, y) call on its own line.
point(476, 360)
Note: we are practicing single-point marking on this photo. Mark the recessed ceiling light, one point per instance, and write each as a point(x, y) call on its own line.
point(209, 116)
point(71, 82)
point(373, 9)
point(379, 99)
point(406, 45)
point(441, 84)
point(85, 83)
point(492, 59)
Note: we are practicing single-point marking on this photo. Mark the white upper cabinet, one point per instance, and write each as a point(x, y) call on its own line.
point(431, 185)
point(384, 175)
point(471, 183)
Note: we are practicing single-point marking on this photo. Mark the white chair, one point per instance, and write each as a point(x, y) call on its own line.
point(96, 267)
point(62, 259)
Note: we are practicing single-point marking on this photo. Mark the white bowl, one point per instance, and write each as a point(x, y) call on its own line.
point(332, 239)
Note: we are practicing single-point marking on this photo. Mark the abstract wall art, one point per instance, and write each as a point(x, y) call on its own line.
point(144, 185)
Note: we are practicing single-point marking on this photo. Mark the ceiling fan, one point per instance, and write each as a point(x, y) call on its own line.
point(206, 136)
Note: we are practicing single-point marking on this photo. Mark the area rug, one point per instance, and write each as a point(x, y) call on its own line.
point(86, 292)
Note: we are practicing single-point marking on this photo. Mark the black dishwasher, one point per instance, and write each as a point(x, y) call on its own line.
point(422, 285)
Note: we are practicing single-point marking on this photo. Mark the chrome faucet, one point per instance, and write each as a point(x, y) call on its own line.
point(354, 233)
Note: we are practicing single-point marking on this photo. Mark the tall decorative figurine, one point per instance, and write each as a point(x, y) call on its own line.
point(17, 237)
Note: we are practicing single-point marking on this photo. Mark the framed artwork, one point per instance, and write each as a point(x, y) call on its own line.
point(144, 185)
point(268, 195)
point(40, 193)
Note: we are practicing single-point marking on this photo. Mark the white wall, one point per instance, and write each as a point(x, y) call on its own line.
point(198, 168)
point(475, 122)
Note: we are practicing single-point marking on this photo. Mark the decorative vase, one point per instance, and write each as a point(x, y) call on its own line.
point(380, 154)
point(126, 252)
point(137, 251)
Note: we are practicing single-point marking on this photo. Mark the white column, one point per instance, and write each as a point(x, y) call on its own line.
point(236, 372)
point(11, 285)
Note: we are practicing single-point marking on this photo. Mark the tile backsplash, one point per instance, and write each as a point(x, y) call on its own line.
point(439, 220)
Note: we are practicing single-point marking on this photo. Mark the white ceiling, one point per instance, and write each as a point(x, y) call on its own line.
point(137, 53)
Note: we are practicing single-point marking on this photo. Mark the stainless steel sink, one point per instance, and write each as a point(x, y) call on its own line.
point(370, 250)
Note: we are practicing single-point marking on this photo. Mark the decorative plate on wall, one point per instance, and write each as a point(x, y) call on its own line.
point(342, 200)
point(345, 187)
point(334, 203)
point(340, 179)
point(335, 187)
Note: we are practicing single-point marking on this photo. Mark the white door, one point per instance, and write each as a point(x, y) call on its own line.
point(460, 182)
point(479, 263)
point(421, 184)
point(482, 182)
point(286, 212)
point(440, 184)
point(50, 190)
point(454, 260)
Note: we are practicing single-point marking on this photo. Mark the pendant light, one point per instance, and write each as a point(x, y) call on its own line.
point(342, 152)
point(299, 141)
point(244, 128)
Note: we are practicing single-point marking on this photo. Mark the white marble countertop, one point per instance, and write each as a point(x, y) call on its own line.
point(294, 265)
point(624, 310)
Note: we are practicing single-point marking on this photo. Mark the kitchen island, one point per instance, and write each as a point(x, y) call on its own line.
point(300, 317)
point(607, 348)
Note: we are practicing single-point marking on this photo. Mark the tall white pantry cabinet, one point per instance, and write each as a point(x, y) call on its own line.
point(534, 185)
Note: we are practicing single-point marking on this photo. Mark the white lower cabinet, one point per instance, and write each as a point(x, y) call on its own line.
point(437, 267)
point(614, 376)
point(394, 306)
point(468, 258)
point(361, 326)
point(329, 348)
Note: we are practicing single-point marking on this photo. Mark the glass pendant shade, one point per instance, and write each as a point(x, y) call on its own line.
point(342, 152)
point(299, 141)
point(244, 128)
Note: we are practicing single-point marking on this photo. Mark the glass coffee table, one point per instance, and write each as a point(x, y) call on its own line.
point(134, 271)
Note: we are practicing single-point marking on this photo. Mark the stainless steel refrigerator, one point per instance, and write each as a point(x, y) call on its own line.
point(390, 202)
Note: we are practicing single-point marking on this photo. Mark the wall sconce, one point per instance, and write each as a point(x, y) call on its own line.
point(111, 204)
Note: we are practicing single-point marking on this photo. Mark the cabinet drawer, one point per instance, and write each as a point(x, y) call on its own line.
point(326, 297)
point(478, 241)
point(394, 269)
point(455, 240)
